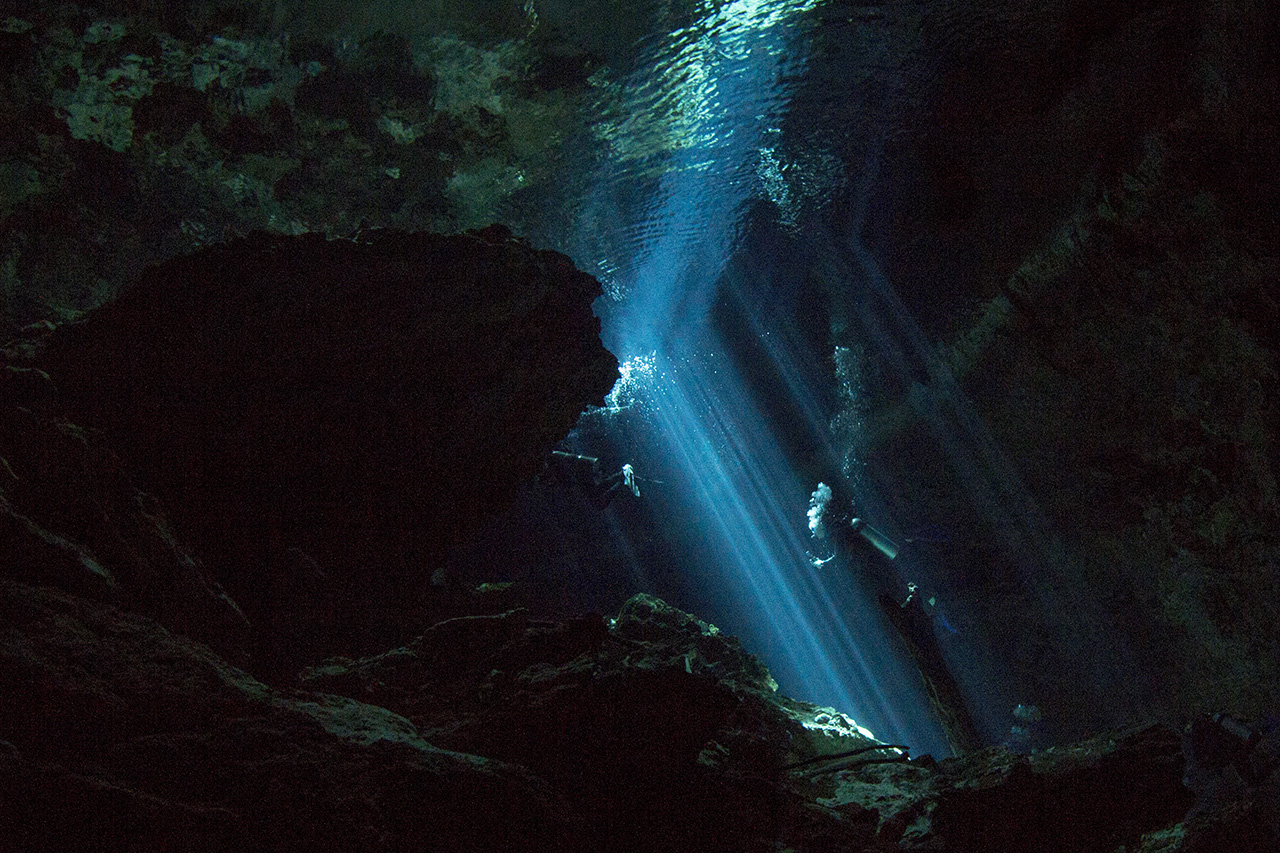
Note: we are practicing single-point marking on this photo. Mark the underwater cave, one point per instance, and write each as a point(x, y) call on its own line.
point(667, 425)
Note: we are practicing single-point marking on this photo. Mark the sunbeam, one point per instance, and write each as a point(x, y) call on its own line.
point(724, 465)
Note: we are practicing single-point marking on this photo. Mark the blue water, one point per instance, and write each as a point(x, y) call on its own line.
point(729, 156)
point(691, 156)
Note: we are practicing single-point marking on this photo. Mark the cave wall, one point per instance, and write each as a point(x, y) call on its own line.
point(1078, 210)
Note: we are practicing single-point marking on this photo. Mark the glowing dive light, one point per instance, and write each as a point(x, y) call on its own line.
point(882, 543)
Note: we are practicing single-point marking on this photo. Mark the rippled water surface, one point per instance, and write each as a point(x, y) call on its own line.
point(689, 137)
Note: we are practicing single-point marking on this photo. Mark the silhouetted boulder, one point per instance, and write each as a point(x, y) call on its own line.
point(324, 419)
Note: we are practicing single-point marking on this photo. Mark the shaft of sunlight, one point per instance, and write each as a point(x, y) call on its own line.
point(722, 91)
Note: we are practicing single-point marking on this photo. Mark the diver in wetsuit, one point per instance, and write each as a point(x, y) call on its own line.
point(907, 615)
point(1233, 769)
point(583, 472)
point(916, 629)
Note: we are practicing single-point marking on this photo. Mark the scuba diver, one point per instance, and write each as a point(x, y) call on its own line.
point(583, 473)
point(916, 629)
point(821, 519)
point(852, 534)
point(1230, 764)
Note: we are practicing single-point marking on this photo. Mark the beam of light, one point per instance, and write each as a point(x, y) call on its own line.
point(696, 130)
point(824, 639)
point(1074, 619)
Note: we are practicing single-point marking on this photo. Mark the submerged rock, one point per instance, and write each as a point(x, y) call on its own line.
point(323, 419)
point(664, 732)
point(74, 516)
point(119, 735)
point(509, 733)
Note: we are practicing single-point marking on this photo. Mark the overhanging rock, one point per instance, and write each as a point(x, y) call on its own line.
point(326, 418)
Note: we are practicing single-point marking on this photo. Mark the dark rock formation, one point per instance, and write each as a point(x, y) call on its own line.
point(121, 736)
point(651, 723)
point(323, 419)
point(72, 515)
point(1099, 794)
point(255, 458)
point(651, 731)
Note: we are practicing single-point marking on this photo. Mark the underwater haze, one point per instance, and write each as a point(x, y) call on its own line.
point(701, 212)
point(733, 158)
point(804, 216)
